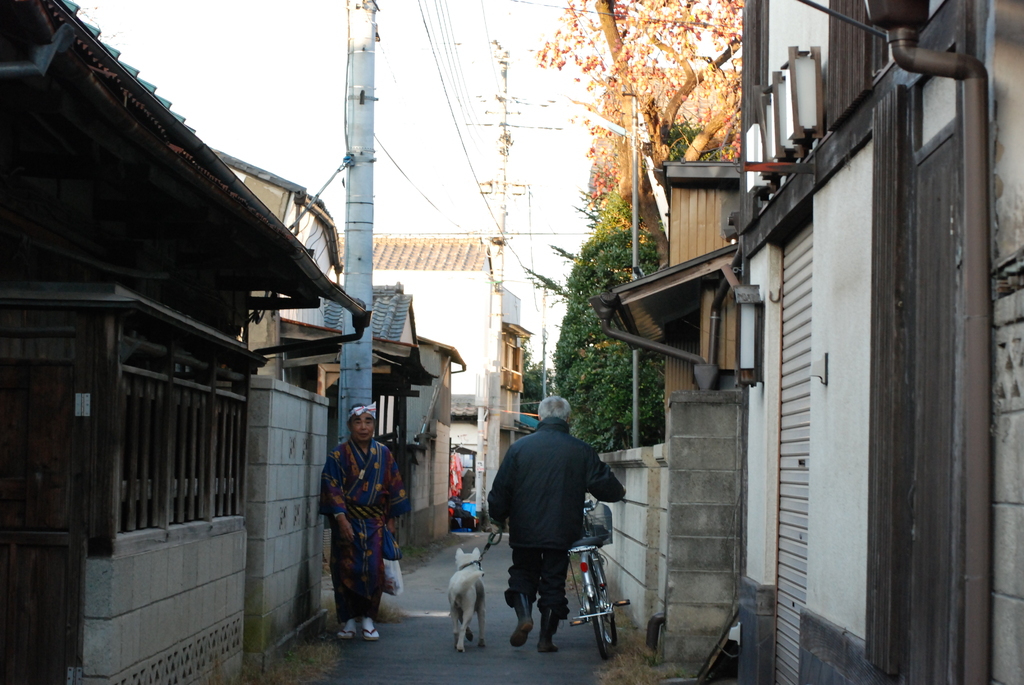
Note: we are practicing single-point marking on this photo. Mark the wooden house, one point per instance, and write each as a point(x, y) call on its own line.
point(130, 255)
point(883, 460)
point(686, 311)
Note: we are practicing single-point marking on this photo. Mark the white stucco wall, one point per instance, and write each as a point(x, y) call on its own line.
point(840, 327)
point(451, 307)
point(763, 426)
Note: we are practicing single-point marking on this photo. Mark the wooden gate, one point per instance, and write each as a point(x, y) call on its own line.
point(40, 557)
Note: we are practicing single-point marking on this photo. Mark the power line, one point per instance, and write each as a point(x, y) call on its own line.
point(402, 171)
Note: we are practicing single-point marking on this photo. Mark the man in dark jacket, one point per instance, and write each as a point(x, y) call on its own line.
point(540, 488)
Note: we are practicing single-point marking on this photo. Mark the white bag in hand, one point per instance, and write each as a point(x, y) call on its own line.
point(392, 577)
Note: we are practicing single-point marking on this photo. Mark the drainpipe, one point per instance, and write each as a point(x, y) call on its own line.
point(716, 311)
point(976, 388)
point(605, 306)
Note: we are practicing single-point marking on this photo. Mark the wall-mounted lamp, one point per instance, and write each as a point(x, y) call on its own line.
point(751, 334)
point(806, 115)
point(781, 115)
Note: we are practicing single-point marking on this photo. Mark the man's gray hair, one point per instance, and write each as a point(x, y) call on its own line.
point(554, 406)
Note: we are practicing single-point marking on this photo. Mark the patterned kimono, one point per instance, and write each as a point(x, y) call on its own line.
point(368, 489)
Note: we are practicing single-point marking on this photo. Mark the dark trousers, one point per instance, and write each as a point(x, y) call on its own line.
point(540, 574)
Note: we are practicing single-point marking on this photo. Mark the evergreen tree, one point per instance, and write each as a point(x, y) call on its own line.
point(592, 371)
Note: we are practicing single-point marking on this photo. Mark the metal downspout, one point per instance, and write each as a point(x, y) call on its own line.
point(605, 306)
point(976, 389)
point(716, 311)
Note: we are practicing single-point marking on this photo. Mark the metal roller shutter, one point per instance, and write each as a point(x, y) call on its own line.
point(794, 454)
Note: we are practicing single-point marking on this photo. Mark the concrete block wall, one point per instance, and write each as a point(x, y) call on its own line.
point(637, 556)
point(169, 608)
point(1008, 493)
point(704, 484)
point(283, 571)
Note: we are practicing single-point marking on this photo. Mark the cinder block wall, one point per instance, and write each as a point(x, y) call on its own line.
point(704, 464)
point(283, 568)
point(166, 607)
point(1008, 493)
point(637, 556)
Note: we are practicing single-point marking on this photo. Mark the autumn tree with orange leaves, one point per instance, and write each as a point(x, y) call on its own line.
point(677, 62)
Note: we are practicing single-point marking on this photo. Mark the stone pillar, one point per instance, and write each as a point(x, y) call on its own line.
point(704, 484)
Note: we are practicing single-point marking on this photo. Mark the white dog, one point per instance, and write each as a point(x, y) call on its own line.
point(466, 596)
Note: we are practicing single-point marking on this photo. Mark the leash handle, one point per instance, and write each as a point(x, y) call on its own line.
point(492, 541)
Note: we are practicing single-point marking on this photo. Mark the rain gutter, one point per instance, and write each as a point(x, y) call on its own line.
point(607, 304)
point(975, 391)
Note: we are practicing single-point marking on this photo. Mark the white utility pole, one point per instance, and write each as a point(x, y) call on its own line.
point(355, 385)
point(489, 416)
point(636, 268)
point(544, 345)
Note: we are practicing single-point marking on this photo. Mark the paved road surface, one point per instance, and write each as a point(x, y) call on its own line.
point(421, 649)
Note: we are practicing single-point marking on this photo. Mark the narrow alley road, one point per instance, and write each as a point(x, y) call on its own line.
point(421, 648)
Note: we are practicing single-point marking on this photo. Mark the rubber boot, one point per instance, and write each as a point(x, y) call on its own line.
point(523, 607)
point(548, 627)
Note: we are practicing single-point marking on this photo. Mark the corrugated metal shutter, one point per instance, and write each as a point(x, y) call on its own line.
point(794, 453)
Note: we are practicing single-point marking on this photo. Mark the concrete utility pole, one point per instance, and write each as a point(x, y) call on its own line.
point(355, 385)
point(489, 392)
point(636, 269)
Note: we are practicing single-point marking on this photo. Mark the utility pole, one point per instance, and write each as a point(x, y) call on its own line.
point(544, 344)
point(489, 416)
point(634, 142)
point(355, 384)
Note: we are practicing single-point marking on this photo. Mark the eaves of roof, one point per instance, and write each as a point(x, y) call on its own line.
point(114, 88)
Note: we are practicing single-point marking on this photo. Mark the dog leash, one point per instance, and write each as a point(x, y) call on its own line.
point(491, 541)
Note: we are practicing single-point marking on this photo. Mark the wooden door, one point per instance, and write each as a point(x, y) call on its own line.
point(39, 566)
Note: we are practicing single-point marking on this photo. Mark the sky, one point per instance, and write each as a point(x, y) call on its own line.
point(264, 82)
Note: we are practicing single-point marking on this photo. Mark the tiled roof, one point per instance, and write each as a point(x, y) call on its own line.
point(400, 253)
point(391, 309)
point(464, 406)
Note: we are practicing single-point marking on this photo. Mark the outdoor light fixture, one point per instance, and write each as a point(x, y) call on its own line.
point(753, 152)
point(749, 351)
point(806, 113)
point(781, 115)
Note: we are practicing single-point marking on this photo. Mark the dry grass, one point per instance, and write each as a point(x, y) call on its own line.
point(306, 663)
point(631, 662)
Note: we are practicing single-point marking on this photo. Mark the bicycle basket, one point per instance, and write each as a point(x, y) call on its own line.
point(599, 523)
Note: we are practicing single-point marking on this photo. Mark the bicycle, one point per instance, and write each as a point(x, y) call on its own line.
point(595, 607)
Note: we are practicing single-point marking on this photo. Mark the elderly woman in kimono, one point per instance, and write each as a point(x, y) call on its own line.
point(361, 493)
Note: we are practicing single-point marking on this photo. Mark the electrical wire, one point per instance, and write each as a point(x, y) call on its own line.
point(406, 176)
point(462, 141)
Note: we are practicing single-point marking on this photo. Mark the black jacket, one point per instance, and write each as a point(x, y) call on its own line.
point(542, 484)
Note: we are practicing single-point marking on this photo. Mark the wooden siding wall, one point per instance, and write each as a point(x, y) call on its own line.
point(853, 58)
point(936, 614)
point(727, 333)
point(888, 514)
point(695, 225)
